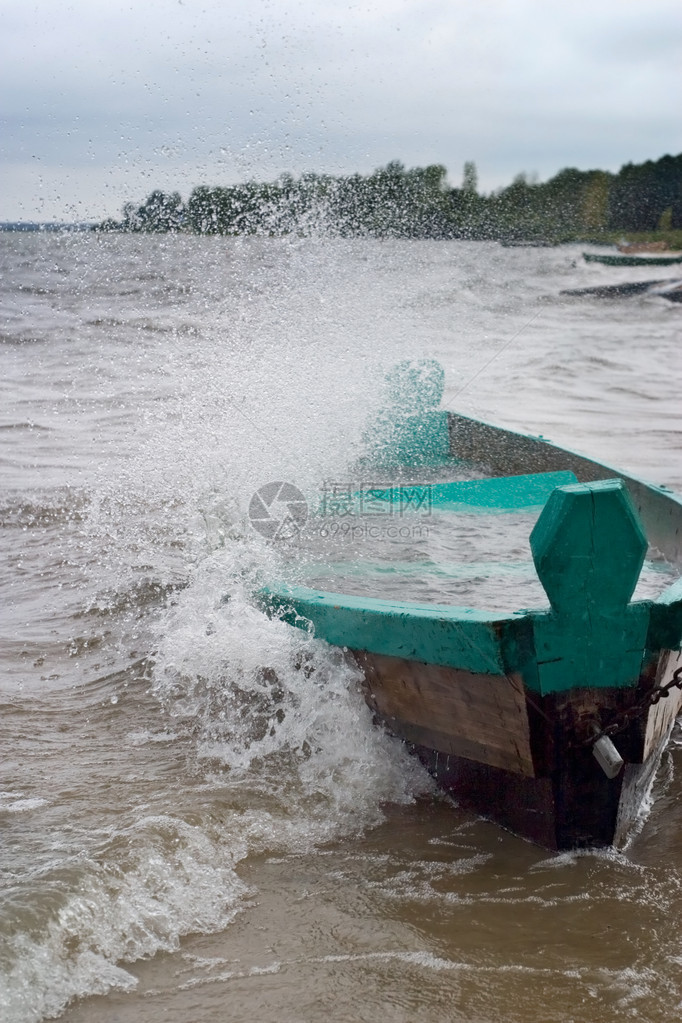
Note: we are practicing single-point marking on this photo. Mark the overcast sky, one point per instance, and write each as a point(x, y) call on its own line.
point(103, 101)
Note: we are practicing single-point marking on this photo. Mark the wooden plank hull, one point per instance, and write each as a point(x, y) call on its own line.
point(519, 759)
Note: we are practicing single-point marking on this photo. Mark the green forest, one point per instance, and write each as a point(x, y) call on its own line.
point(394, 201)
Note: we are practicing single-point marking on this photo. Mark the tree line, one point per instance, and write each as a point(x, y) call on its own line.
point(395, 201)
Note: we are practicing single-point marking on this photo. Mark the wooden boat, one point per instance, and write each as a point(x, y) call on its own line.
point(670, 288)
point(549, 721)
point(634, 248)
point(620, 259)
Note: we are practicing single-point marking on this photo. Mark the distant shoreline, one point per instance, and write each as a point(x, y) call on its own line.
point(49, 225)
point(637, 238)
point(640, 203)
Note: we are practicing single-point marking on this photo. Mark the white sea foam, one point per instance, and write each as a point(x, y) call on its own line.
point(10, 804)
point(270, 702)
point(174, 878)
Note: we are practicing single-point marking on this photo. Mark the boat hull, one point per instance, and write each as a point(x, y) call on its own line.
point(522, 760)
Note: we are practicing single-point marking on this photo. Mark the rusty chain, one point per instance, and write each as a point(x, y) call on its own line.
point(651, 698)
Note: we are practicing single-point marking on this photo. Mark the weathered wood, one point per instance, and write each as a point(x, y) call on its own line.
point(589, 547)
point(568, 802)
point(661, 716)
point(521, 804)
point(481, 717)
point(501, 452)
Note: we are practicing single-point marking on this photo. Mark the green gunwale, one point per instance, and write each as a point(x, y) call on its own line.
point(479, 641)
point(435, 633)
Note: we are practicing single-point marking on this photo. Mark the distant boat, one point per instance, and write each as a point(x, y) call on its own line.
point(517, 243)
point(621, 259)
point(634, 248)
point(670, 289)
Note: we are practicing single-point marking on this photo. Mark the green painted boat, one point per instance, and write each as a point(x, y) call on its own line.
point(620, 259)
point(550, 721)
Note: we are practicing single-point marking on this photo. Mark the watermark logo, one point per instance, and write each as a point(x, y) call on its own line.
point(343, 511)
point(363, 530)
point(359, 500)
point(278, 511)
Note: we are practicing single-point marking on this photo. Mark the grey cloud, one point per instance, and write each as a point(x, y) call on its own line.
point(99, 91)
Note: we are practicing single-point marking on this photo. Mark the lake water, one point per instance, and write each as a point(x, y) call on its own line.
point(199, 821)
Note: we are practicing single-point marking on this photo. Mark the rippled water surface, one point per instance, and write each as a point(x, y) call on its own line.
point(199, 820)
